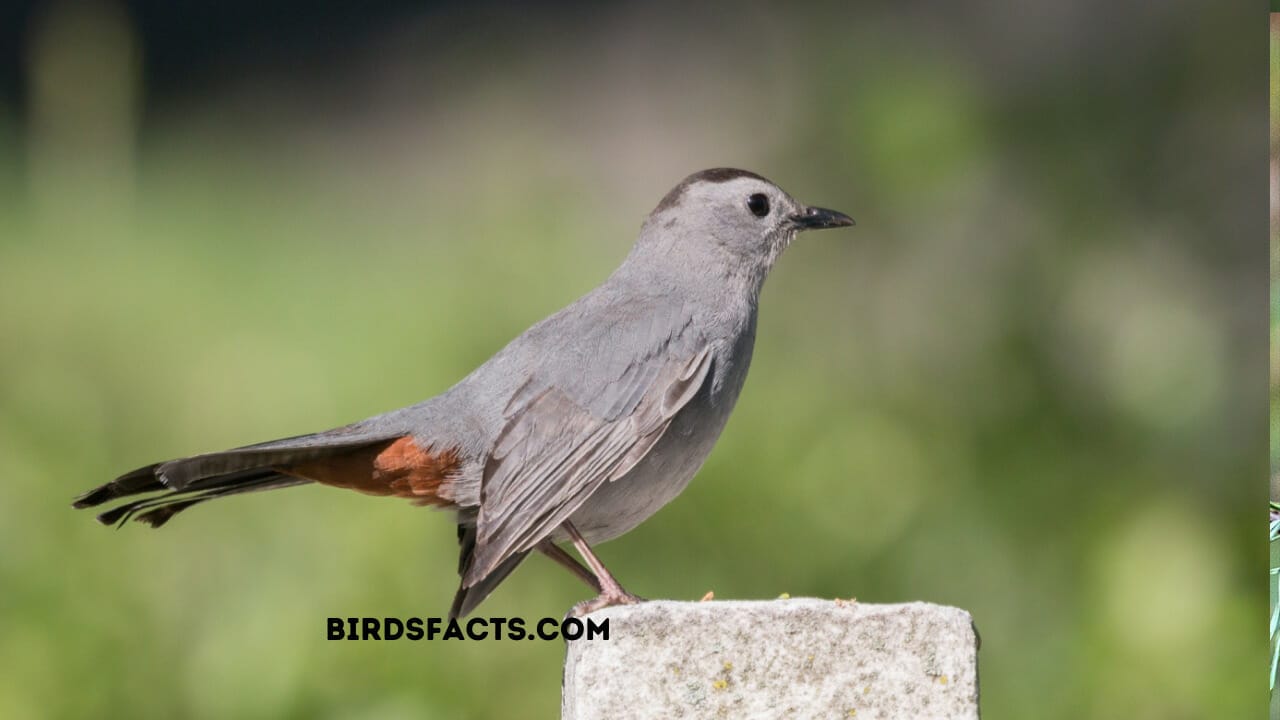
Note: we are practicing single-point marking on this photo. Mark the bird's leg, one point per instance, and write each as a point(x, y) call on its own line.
point(611, 593)
point(555, 552)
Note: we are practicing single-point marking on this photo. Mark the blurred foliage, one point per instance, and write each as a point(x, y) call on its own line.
point(1022, 385)
point(1274, 582)
point(1274, 586)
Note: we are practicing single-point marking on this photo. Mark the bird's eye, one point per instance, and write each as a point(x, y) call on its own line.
point(758, 205)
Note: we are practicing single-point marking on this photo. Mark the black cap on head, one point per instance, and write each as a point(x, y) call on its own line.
point(714, 175)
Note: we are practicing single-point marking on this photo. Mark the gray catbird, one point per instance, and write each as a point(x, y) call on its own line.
point(578, 430)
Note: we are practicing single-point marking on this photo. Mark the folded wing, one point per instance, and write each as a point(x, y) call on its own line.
point(554, 453)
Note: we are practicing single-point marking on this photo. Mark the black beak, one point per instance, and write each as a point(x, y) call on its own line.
point(815, 218)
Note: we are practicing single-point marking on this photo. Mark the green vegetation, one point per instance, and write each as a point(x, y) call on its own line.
point(1274, 584)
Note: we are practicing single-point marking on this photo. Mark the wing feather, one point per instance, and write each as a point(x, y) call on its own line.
point(554, 453)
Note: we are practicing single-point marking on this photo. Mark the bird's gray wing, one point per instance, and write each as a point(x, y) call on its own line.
point(554, 452)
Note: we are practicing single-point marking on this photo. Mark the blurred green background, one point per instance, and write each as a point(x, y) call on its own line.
point(1026, 384)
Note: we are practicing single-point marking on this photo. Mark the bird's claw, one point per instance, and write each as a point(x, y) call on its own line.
point(603, 600)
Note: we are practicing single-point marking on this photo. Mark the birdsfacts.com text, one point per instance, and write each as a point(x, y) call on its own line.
point(476, 628)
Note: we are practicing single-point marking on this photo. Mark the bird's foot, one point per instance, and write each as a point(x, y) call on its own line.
point(605, 599)
point(611, 593)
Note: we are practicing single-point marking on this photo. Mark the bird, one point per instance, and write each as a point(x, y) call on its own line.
point(576, 431)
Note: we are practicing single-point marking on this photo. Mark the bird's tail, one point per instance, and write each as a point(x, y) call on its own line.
point(162, 503)
point(168, 488)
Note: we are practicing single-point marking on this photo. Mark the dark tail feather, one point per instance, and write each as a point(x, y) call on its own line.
point(160, 516)
point(184, 482)
point(165, 508)
point(145, 480)
point(159, 508)
point(139, 481)
point(469, 597)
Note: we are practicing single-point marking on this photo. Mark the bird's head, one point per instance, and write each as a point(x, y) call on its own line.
point(734, 215)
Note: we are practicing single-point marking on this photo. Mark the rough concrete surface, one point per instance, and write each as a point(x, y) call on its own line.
point(794, 658)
